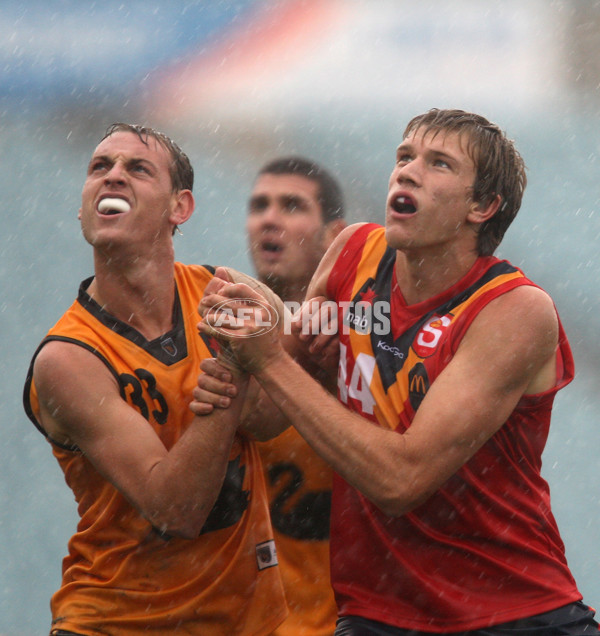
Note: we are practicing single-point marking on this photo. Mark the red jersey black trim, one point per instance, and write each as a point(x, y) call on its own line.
point(390, 357)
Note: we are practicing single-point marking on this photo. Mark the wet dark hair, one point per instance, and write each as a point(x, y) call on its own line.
point(330, 195)
point(180, 168)
point(499, 168)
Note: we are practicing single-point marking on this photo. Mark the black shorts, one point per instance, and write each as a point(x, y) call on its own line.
point(575, 619)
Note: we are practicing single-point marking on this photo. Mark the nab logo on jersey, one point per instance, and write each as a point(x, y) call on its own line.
point(429, 335)
point(418, 385)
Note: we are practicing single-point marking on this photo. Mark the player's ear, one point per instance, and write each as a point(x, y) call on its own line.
point(183, 206)
point(479, 213)
point(332, 229)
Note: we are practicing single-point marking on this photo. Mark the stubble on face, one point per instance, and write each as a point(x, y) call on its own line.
point(285, 232)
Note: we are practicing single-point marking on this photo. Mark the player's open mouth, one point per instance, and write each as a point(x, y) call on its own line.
point(113, 205)
point(404, 205)
point(273, 248)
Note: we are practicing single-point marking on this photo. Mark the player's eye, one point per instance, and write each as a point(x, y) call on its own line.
point(257, 205)
point(140, 167)
point(403, 158)
point(294, 205)
point(98, 165)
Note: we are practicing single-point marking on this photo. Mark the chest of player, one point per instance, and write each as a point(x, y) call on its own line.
point(391, 353)
point(388, 363)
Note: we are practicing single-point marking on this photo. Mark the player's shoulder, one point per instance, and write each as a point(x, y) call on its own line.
point(342, 239)
point(525, 312)
point(319, 283)
point(528, 298)
point(348, 232)
point(193, 271)
point(60, 363)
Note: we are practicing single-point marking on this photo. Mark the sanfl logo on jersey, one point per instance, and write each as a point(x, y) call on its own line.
point(429, 335)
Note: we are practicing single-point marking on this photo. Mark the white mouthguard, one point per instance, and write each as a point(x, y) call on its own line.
point(119, 205)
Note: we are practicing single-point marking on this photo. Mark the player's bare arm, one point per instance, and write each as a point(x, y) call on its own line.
point(464, 407)
point(318, 283)
point(81, 405)
point(260, 417)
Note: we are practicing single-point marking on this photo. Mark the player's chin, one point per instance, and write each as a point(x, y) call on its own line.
point(268, 271)
point(395, 236)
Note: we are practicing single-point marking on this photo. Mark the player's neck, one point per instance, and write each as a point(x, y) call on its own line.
point(422, 276)
point(288, 291)
point(139, 292)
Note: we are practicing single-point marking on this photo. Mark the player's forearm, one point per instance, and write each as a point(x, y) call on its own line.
point(188, 481)
point(261, 418)
point(365, 455)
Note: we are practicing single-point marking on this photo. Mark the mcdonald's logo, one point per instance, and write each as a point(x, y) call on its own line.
point(418, 385)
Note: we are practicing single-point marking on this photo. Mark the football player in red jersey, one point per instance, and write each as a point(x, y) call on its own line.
point(441, 520)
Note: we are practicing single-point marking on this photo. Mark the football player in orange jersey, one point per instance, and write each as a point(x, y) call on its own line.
point(295, 211)
point(174, 532)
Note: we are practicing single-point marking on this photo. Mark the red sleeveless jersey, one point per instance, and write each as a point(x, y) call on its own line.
point(485, 548)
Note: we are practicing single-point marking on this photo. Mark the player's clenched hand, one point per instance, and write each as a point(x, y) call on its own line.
point(245, 321)
point(315, 324)
point(215, 388)
point(216, 283)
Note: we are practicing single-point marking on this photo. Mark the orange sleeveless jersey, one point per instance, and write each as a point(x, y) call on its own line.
point(121, 576)
point(299, 492)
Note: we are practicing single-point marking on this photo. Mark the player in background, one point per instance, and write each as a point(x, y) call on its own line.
point(295, 211)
